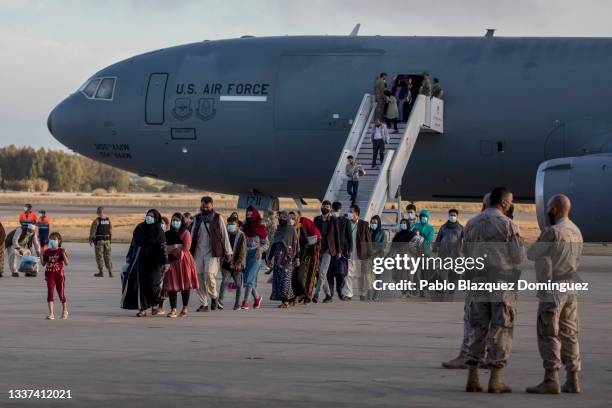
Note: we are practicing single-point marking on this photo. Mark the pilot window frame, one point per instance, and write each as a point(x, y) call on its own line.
point(95, 93)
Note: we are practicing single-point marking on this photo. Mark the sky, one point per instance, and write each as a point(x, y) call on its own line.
point(49, 48)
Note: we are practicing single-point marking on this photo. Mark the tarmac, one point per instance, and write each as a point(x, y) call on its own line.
point(343, 354)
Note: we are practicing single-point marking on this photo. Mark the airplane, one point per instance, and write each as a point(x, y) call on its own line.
point(269, 116)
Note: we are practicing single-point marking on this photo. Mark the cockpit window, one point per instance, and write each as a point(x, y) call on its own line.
point(105, 90)
point(99, 88)
point(90, 89)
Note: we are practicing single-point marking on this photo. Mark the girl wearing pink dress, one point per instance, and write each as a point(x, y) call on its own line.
point(182, 276)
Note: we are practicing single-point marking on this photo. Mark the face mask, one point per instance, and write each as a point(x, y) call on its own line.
point(423, 220)
point(336, 214)
point(374, 226)
point(53, 243)
point(149, 219)
point(324, 211)
point(163, 226)
point(452, 218)
point(551, 218)
point(282, 222)
point(403, 227)
point(292, 222)
point(411, 216)
point(231, 228)
point(26, 209)
point(312, 240)
point(176, 224)
point(40, 215)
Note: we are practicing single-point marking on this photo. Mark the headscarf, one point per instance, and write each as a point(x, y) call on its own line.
point(173, 237)
point(285, 234)
point(254, 226)
point(149, 233)
point(310, 227)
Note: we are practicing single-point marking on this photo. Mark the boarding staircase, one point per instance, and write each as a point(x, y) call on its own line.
point(382, 184)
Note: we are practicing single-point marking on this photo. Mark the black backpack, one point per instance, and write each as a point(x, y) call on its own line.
point(8, 242)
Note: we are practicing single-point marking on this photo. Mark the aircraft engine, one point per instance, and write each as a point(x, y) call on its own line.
point(587, 181)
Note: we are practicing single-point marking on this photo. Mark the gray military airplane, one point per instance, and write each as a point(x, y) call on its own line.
point(269, 116)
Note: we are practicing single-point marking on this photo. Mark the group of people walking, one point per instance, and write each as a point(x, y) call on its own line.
point(190, 256)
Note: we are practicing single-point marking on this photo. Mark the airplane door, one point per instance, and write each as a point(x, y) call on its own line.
point(155, 99)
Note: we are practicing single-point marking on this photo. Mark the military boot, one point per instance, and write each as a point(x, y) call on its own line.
point(473, 383)
point(550, 385)
point(572, 383)
point(99, 274)
point(456, 363)
point(495, 384)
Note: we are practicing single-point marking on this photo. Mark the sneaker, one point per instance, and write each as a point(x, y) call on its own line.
point(315, 299)
point(257, 302)
point(245, 305)
point(219, 305)
point(202, 308)
point(236, 306)
point(328, 299)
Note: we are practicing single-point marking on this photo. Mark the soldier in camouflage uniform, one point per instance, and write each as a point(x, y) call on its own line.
point(557, 254)
point(100, 235)
point(491, 314)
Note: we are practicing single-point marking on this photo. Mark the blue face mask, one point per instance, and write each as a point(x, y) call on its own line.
point(403, 227)
point(176, 224)
point(149, 219)
point(374, 226)
point(452, 218)
point(232, 228)
point(423, 220)
point(53, 243)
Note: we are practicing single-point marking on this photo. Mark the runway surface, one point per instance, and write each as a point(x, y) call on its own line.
point(349, 354)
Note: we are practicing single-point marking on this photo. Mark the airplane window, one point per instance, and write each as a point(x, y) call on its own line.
point(105, 90)
point(91, 87)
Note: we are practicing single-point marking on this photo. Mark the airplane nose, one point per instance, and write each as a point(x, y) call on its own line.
point(50, 122)
point(63, 123)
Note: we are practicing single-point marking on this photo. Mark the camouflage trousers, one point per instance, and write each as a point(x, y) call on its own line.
point(558, 332)
point(491, 325)
point(1, 259)
point(103, 255)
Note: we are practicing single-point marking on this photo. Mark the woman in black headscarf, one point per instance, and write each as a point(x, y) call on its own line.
point(147, 261)
point(283, 258)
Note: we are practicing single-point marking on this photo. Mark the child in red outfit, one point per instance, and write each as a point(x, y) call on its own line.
point(54, 259)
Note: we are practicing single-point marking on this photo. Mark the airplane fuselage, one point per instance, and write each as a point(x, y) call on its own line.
point(272, 114)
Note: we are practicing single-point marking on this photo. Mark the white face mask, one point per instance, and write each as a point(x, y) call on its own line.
point(291, 222)
point(26, 209)
point(53, 243)
point(231, 228)
point(336, 214)
point(411, 215)
point(452, 218)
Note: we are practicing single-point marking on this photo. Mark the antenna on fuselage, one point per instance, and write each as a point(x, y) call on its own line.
point(355, 30)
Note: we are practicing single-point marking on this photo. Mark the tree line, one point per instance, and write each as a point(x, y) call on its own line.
point(28, 169)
